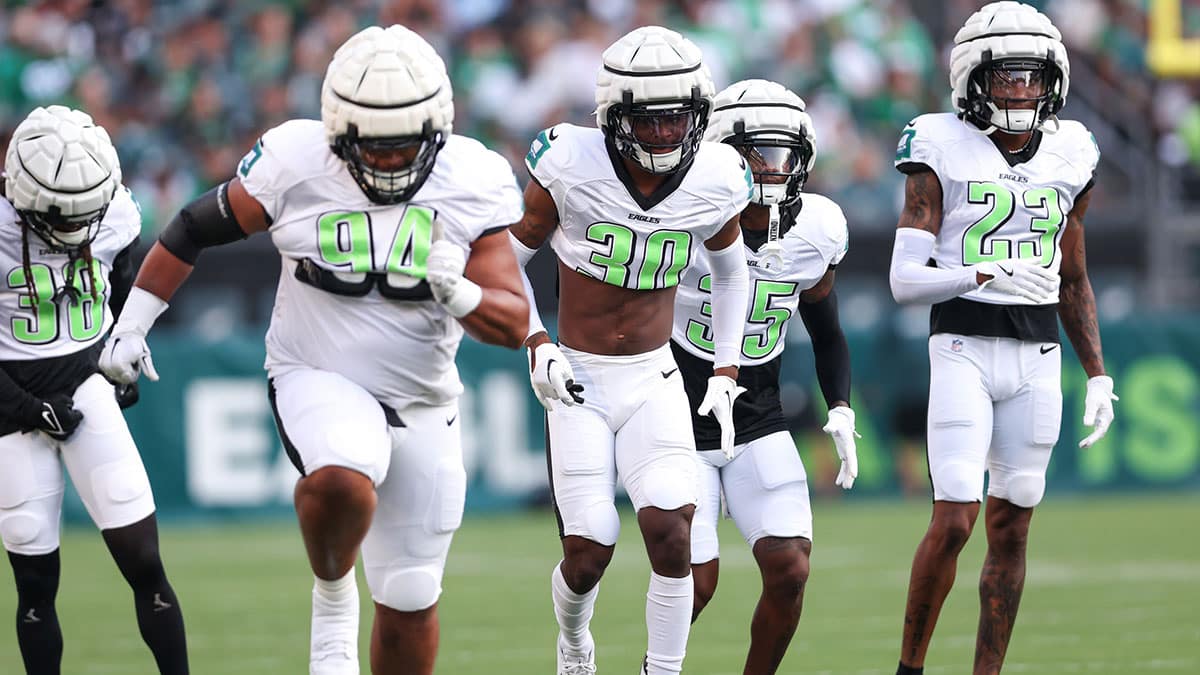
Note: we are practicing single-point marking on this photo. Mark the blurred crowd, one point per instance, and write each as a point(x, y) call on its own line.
point(185, 87)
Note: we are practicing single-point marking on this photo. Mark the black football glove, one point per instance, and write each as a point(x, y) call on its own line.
point(127, 394)
point(56, 416)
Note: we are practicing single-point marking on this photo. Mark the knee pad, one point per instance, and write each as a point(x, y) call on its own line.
point(21, 529)
point(1025, 490)
point(120, 493)
point(667, 489)
point(957, 483)
point(411, 589)
point(603, 523)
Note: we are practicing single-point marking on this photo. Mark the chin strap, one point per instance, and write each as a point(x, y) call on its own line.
point(771, 253)
point(987, 131)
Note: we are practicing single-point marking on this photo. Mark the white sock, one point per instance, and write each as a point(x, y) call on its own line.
point(335, 611)
point(574, 613)
point(668, 620)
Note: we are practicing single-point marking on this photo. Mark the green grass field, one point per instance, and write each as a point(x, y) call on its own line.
point(1113, 587)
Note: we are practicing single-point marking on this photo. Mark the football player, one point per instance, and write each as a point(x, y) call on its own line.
point(626, 209)
point(995, 196)
point(392, 236)
point(67, 233)
point(793, 241)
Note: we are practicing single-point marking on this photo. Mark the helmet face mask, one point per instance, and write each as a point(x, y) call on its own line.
point(60, 233)
point(778, 161)
point(1015, 95)
point(389, 169)
point(660, 136)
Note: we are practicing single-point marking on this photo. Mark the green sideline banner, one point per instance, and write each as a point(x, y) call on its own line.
point(207, 434)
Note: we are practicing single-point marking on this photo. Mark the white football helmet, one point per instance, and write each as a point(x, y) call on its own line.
point(61, 172)
point(768, 125)
point(387, 90)
point(653, 96)
point(1008, 41)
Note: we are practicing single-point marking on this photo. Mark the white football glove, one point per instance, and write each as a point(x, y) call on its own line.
point(841, 427)
point(718, 400)
point(126, 353)
point(1020, 277)
point(552, 377)
point(1098, 408)
point(444, 272)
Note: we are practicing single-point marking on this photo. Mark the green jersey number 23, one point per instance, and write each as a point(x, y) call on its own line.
point(980, 243)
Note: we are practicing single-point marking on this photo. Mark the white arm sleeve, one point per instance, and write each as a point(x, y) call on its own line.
point(524, 255)
point(914, 282)
point(730, 297)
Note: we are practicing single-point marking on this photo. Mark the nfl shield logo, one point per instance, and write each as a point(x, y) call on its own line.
point(956, 345)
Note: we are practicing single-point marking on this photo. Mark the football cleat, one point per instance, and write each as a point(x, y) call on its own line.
point(576, 664)
point(336, 657)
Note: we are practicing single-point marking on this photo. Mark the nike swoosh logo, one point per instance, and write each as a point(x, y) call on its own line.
point(1047, 349)
point(450, 422)
point(48, 415)
point(553, 133)
point(669, 373)
point(1001, 267)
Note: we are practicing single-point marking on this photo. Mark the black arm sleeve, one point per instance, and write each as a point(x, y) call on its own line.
point(207, 220)
point(121, 279)
point(830, 351)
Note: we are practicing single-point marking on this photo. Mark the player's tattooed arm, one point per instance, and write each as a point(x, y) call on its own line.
point(539, 220)
point(1076, 302)
point(922, 202)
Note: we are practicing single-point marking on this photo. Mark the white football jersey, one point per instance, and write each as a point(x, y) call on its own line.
point(816, 240)
point(46, 328)
point(994, 211)
point(609, 231)
point(390, 337)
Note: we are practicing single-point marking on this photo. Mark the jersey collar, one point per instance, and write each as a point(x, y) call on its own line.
point(660, 193)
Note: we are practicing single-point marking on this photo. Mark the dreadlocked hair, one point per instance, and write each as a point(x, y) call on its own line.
point(25, 266)
point(68, 289)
